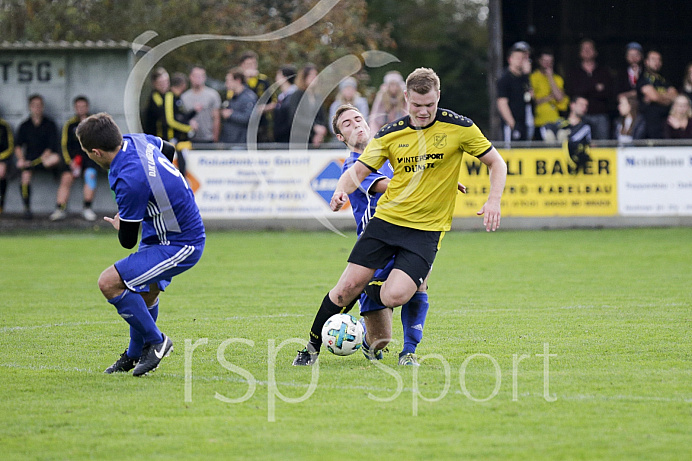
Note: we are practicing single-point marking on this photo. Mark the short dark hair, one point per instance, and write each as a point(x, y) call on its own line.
point(99, 131)
point(546, 51)
point(178, 79)
point(340, 110)
point(302, 75)
point(237, 74)
point(35, 96)
point(81, 97)
point(249, 54)
point(289, 72)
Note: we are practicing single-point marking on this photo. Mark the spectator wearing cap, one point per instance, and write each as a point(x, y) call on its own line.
point(389, 103)
point(514, 94)
point(596, 84)
point(627, 79)
point(348, 94)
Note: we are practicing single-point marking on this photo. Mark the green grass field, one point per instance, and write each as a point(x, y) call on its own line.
point(613, 308)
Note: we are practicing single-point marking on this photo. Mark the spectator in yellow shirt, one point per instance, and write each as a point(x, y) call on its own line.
point(548, 89)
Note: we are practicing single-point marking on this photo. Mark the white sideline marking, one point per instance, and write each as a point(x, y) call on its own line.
point(578, 397)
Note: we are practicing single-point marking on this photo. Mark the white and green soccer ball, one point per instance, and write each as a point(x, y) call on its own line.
point(342, 334)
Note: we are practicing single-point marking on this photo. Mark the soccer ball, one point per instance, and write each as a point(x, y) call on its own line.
point(342, 334)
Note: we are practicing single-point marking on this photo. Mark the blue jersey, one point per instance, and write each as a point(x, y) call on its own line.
point(150, 190)
point(363, 200)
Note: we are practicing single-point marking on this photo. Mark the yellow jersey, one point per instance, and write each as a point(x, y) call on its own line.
point(547, 112)
point(426, 162)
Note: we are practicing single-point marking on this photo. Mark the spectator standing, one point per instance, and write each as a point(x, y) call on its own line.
point(182, 128)
point(6, 149)
point(627, 80)
point(206, 103)
point(306, 91)
point(686, 88)
point(678, 124)
point(283, 116)
point(630, 125)
point(258, 83)
point(236, 108)
point(348, 94)
point(154, 115)
point(79, 162)
point(514, 96)
point(389, 103)
point(548, 91)
point(37, 146)
point(596, 84)
point(655, 95)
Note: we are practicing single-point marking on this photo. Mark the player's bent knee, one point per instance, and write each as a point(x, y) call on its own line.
point(110, 283)
point(395, 299)
point(346, 292)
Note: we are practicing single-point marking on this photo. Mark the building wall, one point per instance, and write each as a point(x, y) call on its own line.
point(59, 75)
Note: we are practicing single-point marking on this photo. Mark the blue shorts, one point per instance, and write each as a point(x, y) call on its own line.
point(156, 264)
point(367, 304)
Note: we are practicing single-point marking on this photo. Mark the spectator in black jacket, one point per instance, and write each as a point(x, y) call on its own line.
point(283, 116)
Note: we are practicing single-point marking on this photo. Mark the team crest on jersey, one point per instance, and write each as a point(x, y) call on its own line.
point(440, 140)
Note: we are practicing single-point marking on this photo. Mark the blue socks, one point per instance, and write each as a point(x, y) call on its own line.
point(143, 329)
point(136, 346)
point(413, 315)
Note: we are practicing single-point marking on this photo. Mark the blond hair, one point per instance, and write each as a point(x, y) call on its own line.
point(422, 81)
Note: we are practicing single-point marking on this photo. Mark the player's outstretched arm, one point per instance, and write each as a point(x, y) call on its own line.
point(348, 182)
point(498, 175)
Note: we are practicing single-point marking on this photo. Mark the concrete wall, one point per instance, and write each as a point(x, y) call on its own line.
point(61, 74)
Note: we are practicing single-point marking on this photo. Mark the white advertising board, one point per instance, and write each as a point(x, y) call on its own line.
point(655, 181)
point(265, 184)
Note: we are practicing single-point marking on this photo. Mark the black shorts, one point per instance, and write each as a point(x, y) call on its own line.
point(414, 249)
point(37, 165)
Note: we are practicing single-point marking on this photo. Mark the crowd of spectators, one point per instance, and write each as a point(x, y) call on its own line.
point(534, 102)
point(636, 102)
point(294, 110)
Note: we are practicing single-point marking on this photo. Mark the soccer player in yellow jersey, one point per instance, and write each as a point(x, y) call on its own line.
point(425, 149)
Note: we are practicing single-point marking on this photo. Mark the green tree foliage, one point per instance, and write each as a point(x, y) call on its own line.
point(449, 36)
point(344, 30)
point(446, 35)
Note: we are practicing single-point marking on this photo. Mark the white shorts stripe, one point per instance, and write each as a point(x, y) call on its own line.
point(163, 266)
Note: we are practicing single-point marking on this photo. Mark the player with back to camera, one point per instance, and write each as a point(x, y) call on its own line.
point(350, 127)
point(425, 149)
point(149, 191)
